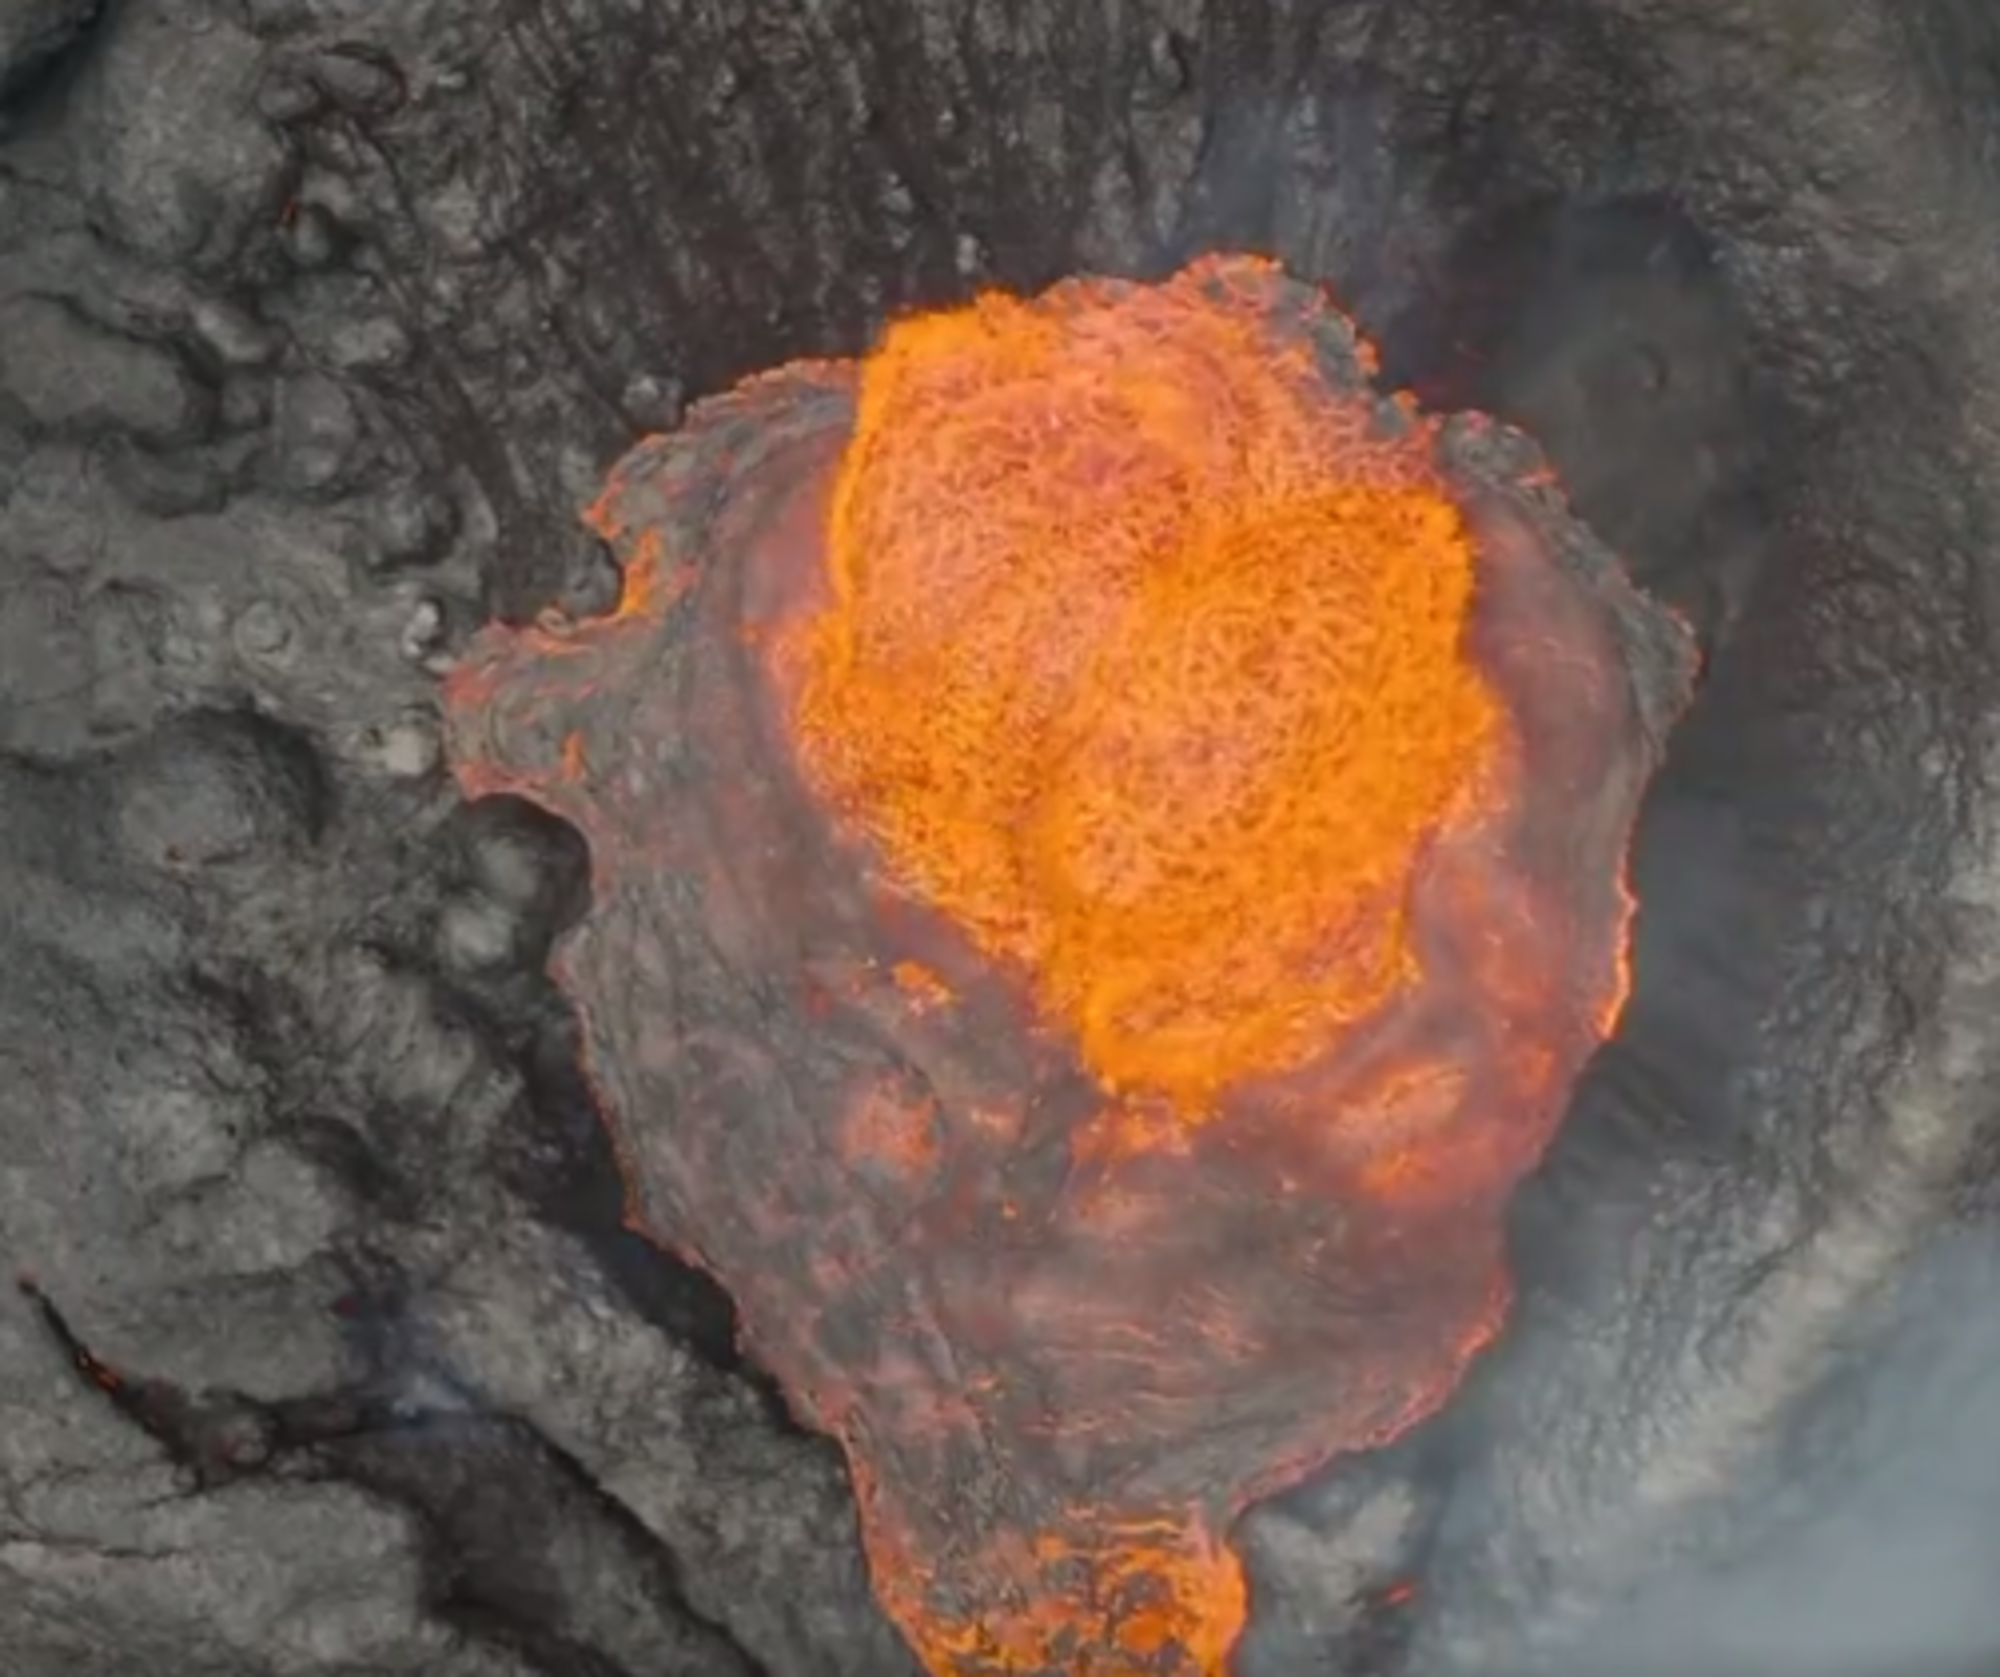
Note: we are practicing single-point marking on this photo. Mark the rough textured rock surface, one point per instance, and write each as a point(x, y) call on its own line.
point(318, 318)
point(34, 32)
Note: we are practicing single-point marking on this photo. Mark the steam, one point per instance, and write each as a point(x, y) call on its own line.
point(1870, 1552)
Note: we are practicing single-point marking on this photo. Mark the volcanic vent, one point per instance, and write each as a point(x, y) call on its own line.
point(1108, 844)
point(1079, 1202)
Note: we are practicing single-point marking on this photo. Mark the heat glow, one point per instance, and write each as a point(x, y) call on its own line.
point(1107, 844)
point(1146, 664)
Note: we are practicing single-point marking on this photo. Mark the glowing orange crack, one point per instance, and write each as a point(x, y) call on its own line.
point(1107, 855)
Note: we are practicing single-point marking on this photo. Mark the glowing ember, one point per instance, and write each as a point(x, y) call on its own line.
point(1108, 843)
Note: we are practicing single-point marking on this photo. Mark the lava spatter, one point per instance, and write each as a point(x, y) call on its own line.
point(1108, 843)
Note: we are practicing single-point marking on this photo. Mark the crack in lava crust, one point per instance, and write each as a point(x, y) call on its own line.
point(1108, 845)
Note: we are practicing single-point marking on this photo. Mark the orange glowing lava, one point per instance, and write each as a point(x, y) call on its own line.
point(1146, 665)
point(1107, 844)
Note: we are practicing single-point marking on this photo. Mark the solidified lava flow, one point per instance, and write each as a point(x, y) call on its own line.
point(1108, 850)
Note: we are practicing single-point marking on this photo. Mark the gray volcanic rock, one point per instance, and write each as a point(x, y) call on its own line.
point(170, 149)
point(33, 32)
point(69, 377)
point(318, 318)
point(212, 787)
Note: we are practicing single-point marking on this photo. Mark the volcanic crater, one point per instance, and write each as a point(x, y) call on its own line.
point(997, 839)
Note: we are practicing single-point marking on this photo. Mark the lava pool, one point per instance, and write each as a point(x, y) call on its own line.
point(1108, 844)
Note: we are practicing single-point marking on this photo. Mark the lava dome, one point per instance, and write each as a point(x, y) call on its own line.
point(1108, 848)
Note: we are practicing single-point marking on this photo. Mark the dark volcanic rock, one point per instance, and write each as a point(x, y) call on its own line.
point(316, 433)
point(33, 32)
point(413, 522)
point(140, 1186)
point(216, 787)
point(71, 377)
point(170, 148)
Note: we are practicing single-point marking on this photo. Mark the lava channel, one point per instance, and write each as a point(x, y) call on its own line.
point(1108, 845)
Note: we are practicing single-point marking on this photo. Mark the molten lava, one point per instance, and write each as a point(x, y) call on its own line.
point(1108, 847)
point(1149, 671)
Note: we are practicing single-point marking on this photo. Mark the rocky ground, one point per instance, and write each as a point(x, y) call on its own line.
point(318, 318)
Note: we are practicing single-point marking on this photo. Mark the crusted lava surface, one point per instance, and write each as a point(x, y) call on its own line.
point(1108, 849)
